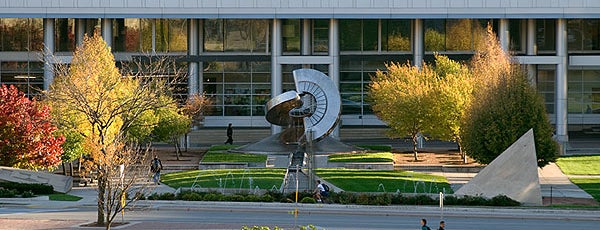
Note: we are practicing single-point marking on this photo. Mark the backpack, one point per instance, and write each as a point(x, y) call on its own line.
point(155, 165)
point(325, 187)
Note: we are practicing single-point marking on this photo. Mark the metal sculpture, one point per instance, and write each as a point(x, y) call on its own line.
point(315, 105)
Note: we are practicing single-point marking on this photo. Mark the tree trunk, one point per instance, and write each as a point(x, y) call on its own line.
point(64, 166)
point(71, 168)
point(101, 190)
point(414, 140)
point(463, 154)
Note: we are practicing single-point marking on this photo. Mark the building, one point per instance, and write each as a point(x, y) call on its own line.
point(242, 52)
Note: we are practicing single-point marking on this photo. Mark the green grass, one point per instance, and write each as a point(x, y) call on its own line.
point(362, 157)
point(381, 148)
point(226, 178)
point(63, 197)
point(580, 165)
point(589, 185)
point(392, 181)
point(218, 153)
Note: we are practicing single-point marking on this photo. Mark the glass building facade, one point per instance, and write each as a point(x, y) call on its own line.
point(242, 60)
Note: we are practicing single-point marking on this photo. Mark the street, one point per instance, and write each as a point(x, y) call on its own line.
point(218, 215)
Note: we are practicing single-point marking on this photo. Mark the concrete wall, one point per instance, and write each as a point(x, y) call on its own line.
point(300, 8)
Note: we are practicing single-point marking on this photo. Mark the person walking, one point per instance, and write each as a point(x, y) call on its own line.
point(442, 225)
point(424, 225)
point(229, 135)
point(155, 167)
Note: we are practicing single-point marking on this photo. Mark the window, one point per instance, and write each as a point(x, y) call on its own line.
point(546, 35)
point(238, 88)
point(583, 91)
point(28, 77)
point(583, 35)
point(291, 32)
point(545, 85)
point(21, 34)
point(236, 35)
point(454, 34)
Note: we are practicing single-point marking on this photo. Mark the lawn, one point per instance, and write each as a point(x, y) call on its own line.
point(580, 165)
point(218, 153)
point(226, 178)
point(63, 197)
point(384, 181)
point(589, 185)
point(362, 157)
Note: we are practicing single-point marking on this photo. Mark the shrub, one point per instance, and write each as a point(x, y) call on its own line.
point(162, 196)
point(190, 196)
point(27, 194)
point(344, 198)
point(473, 200)
point(267, 198)
point(502, 200)
point(7, 193)
point(308, 200)
point(380, 148)
point(276, 195)
point(22, 187)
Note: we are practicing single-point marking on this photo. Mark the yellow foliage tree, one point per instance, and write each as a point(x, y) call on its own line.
point(92, 97)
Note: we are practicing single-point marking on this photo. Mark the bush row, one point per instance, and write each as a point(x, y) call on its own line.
point(340, 198)
point(22, 187)
point(10, 193)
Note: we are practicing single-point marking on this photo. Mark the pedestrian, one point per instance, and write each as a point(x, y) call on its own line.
point(442, 225)
point(320, 193)
point(424, 225)
point(155, 167)
point(229, 135)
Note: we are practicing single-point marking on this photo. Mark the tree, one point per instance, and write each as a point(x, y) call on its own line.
point(93, 98)
point(452, 94)
point(507, 106)
point(172, 124)
point(403, 98)
point(27, 135)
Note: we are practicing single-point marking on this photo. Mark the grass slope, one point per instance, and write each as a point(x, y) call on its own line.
point(384, 181)
point(362, 157)
point(580, 165)
point(226, 178)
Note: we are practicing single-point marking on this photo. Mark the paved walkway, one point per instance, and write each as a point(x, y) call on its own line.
point(553, 182)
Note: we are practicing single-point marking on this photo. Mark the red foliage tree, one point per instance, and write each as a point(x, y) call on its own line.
point(26, 132)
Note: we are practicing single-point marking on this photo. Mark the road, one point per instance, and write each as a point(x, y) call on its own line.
point(332, 217)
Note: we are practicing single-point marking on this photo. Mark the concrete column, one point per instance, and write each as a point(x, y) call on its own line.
point(107, 27)
point(504, 34)
point(531, 50)
point(306, 37)
point(79, 31)
point(334, 67)
point(276, 79)
point(49, 51)
point(561, 85)
point(418, 42)
point(192, 51)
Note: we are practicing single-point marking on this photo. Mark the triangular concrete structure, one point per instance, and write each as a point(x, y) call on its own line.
point(60, 183)
point(513, 173)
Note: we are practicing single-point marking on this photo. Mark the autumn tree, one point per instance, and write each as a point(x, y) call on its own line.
point(172, 124)
point(453, 94)
point(105, 106)
point(505, 108)
point(403, 97)
point(27, 135)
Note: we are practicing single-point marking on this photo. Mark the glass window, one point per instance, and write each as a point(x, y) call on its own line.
point(320, 36)
point(583, 34)
point(350, 35)
point(238, 35)
point(545, 85)
point(21, 34)
point(370, 35)
point(127, 35)
point(291, 33)
point(213, 35)
point(435, 35)
point(239, 88)
point(453, 34)
point(260, 35)
point(64, 34)
point(28, 77)
point(147, 26)
point(516, 30)
point(395, 35)
point(545, 35)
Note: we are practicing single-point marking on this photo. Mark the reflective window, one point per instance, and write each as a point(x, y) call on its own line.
point(454, 34)
point(517, 32)
point(545, 35)
point(64, 34)
point(291, 33)
point(236, 35)
point(28, 77)
point(128, 35)
point(545, 85)
point(375, 35)
point(320, 42)
point(238, 88)
point(21, 34)
point(170, 35)
point(583, 34)
point(395, 35)
point(583, 91)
